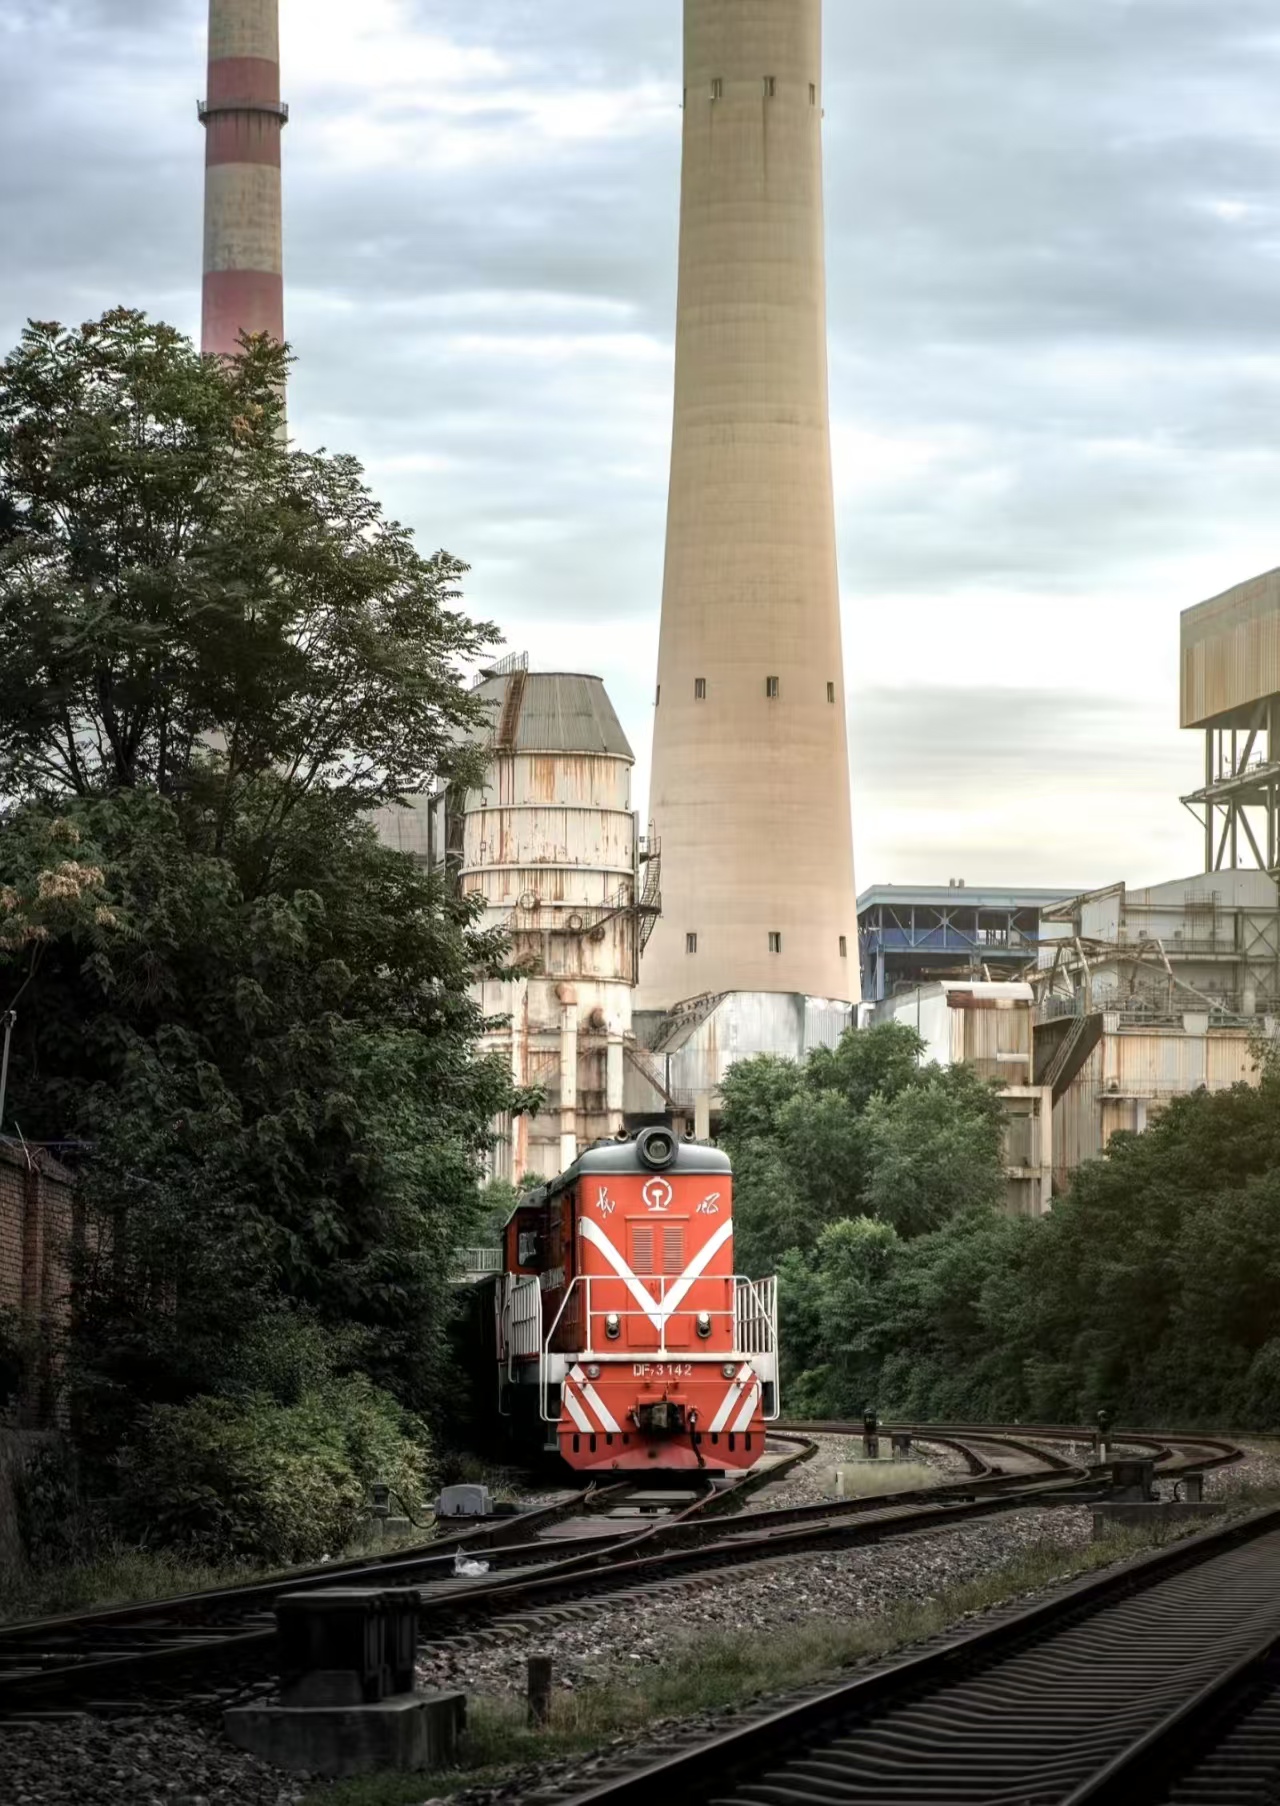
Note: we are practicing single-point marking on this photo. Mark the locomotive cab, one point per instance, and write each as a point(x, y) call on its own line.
point(622, 1328)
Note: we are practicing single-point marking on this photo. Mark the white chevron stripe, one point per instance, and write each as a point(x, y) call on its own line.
point(657, 1312)
point(593, 1233)
point(696, 1268)
point(748, 1411)
point(575, 1410)
point(604, 1415)
point(732, 1396)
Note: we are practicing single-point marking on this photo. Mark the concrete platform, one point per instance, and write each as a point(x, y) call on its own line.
point(1139, 1514)
point(413, 1732)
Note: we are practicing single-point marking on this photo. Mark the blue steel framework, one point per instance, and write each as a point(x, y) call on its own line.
point(911, 935)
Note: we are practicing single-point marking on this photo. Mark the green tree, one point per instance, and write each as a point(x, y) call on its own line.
point(216, 655)
point(189, 605)
point(933, 1150)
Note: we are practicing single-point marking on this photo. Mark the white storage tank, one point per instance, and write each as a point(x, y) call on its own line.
point(552, 846)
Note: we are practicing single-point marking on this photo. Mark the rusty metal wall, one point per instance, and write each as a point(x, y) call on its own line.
point(1131, 1075)
point(1231, 651)
point(987, 1025)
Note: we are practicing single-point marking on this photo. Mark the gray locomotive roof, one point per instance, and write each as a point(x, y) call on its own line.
point(620, 1157)
point(562, 711)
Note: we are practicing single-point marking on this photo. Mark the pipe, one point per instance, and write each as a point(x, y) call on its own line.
point(614, 1079)
point(568, 1076)
point(9, 1019)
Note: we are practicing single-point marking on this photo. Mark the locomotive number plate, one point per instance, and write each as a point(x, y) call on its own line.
point(663, 1369)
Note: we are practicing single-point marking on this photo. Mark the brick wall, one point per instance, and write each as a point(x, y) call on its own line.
point(38, 1220)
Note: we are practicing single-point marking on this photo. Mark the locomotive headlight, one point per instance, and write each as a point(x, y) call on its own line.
point(613, 1326)
point(729, 1370)
point(593, 1371)
point(704, 1324)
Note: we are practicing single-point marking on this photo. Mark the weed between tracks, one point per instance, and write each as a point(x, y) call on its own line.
point(130, 1576)
point(711, 1673)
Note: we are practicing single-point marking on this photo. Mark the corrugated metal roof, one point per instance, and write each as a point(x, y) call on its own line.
point(562, 711)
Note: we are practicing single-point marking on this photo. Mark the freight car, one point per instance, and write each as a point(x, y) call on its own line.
point(623, 1336)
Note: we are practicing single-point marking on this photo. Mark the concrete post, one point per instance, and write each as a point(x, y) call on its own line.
point(614, 1078)
point(243, 117)
point(568, 1077)
point(702, 1116)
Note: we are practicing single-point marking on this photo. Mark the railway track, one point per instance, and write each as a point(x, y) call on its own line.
point(586, 1548)
point(107, 1659)
point(1154, 1684)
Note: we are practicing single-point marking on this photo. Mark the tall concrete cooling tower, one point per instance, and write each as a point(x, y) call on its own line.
point(244, 119)
point(750, 793)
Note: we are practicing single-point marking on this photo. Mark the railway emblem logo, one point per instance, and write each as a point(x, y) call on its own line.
point(604, 1203)
point(658, 1195)
point(710, 1206)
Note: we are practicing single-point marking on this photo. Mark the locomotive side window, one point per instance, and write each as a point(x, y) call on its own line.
point(527, 1252)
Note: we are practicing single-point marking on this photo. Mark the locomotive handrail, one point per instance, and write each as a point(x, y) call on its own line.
point(760, 1338)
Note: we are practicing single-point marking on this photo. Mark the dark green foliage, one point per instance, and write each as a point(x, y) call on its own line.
point(225, 1480)
point(862, 1129)
point(170, 572)
point(216, 655)
point(1152, 1288)
point(54, 1525)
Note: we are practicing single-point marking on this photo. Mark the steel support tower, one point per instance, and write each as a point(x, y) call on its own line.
point(243, 119)
point(750, 798)
point(1231, 692)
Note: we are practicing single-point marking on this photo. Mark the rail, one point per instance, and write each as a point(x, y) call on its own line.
point(120, 1655)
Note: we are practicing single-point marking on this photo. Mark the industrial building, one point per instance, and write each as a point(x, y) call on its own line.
point(756, 950)
point(244, 119)
point(991, 1027)
point(1148, 995)
point(552, 847)
point(1231, 694)
point(911, 935)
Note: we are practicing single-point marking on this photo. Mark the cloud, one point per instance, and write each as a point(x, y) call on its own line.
point(1054, 259)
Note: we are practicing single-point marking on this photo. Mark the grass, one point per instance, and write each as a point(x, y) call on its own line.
point(710, 1673)
point(122, 1575)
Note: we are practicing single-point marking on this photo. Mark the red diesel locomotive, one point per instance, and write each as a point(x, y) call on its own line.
point(623, 1333)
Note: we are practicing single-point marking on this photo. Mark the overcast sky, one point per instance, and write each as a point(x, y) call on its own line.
point(1055, 316)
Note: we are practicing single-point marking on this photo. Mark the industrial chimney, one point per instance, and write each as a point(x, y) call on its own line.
point(750, 798)
point(243, 117)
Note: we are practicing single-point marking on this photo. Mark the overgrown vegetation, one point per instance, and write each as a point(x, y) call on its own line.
point(216, 656)
point(873, 1182)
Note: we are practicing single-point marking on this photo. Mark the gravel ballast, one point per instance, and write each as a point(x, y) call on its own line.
point(134, 1762)
point(611, 1641)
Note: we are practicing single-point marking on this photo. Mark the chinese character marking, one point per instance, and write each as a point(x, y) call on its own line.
point(604, 1203)
point(658, 1195)
point(710, 1206)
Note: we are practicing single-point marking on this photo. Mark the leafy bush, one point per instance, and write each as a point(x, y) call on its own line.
point(229, 1479)
point(54, 1526)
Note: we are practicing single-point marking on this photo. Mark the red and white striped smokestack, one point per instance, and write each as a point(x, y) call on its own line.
point(243, 117)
